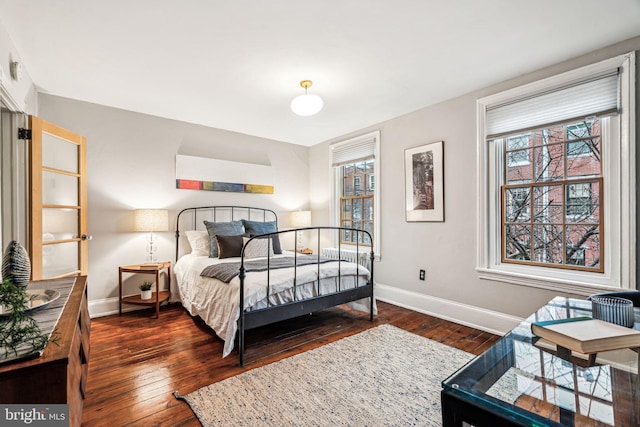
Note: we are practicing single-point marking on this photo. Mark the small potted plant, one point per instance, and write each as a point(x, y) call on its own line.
point(145, 290)
point(17, 327)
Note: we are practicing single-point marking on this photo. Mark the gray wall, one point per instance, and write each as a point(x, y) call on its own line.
point(131, 164)
point(447, 251)
point(17, 96)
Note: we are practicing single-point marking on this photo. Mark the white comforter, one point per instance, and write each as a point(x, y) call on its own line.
point(217, 303)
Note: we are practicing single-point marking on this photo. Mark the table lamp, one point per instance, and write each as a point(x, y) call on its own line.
point(300, 219)
point(151, 220)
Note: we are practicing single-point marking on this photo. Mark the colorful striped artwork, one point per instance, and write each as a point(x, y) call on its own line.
point(190, 184)
point(201, 173)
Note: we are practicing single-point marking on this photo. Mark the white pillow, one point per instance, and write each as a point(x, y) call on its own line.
point(199, 242)
point(257, 248)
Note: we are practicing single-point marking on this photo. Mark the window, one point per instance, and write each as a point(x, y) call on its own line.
point(356, 201)
point(517, 203)
point(355, 164)
point(583, 141)
point(563, 194)
point(580, 202)
point(518, 150)
point(556, 184)
point(576, 256)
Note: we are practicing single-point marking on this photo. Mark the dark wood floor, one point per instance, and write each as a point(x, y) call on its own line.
point(137, 362)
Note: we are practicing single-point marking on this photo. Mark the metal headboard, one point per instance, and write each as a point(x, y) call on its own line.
point(193, 217)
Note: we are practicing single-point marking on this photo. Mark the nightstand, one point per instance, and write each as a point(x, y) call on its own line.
point(157, 297)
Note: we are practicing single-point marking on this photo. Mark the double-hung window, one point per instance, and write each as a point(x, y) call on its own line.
point(557, 175)
point(355, 201)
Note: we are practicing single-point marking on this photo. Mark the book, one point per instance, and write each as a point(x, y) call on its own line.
point(586, 335)
point(152, 266)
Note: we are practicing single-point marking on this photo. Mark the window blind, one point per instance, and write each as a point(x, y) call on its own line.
point(354, 150)
point(599, 95)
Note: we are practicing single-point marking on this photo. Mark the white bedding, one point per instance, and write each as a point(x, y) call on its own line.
point(217, 303)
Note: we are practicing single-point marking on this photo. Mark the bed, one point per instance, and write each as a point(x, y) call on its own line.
point(233, 272)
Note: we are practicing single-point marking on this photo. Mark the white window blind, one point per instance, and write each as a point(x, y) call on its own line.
point(354, 150)
point(599, 95)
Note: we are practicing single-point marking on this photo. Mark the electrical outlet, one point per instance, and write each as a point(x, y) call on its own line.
point(422, 274)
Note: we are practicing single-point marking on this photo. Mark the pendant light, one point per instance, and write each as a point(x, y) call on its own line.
point(307, 104)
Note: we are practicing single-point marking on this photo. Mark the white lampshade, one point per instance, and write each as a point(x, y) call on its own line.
point(151, 220)
point(307, 104)
point(299, 219)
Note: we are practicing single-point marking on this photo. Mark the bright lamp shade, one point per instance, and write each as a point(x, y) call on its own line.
point(300, 219)
point(151, 220)
point(307, 104)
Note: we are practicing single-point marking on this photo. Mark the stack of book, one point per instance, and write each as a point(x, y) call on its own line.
point(586, 335)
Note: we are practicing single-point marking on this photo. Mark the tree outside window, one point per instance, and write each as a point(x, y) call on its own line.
point(357, 201)
point(552, 211)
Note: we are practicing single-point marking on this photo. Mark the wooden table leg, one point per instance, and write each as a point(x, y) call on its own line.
point(157, 293)
point(119, 291)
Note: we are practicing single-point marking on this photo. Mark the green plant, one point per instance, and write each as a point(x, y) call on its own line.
point(146, 286)
point(17, 327)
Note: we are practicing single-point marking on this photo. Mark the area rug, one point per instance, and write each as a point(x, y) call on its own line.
point(384, 376)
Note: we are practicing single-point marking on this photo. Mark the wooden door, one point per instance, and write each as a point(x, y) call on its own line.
point(58, 201)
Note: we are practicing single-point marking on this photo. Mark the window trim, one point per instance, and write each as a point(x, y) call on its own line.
point(336, 176)
point(620, 265)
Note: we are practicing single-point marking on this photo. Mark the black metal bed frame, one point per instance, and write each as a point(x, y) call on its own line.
point(275, 313)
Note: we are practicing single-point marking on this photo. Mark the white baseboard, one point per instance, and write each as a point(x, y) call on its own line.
point(464, 314)
point(109, 306)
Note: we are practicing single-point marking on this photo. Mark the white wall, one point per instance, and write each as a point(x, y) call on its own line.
point(131, 164)
point(22, 93)
point(447, 251)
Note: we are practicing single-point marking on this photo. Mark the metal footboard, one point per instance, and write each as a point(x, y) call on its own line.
point(250, 319)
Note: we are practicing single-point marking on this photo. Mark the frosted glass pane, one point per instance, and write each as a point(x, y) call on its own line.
point(59, 224)
point(59, 189)
point(59, 258)
point(59, 154)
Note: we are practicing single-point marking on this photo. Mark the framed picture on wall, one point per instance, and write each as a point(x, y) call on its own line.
point(424, 182)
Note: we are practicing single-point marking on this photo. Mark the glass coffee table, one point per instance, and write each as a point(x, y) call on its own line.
point(522, 381)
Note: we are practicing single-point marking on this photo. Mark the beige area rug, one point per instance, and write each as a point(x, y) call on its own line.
point(384, 376)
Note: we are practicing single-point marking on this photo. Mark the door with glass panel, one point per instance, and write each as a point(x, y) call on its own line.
point(58, 202)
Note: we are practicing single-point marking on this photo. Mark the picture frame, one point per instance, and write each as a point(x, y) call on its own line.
point(424, 182)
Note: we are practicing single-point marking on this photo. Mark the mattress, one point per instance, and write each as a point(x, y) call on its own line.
point(217, 303)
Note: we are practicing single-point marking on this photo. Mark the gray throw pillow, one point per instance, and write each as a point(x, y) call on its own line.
point(254, 228)
point(232, 228)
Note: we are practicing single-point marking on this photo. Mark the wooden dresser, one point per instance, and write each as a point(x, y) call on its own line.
point(60, 374)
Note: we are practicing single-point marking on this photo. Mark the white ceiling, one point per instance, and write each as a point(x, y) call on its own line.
point(237, 64)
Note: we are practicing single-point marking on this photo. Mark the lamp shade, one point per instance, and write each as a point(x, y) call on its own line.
point(299, 219)
point(151, 220)
point(307, 104)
